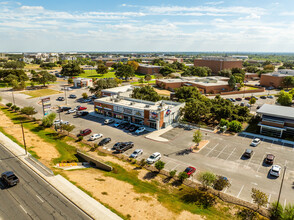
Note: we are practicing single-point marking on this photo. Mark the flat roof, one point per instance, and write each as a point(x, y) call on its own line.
point(149, 66)
point(204, 81)
point(277, 111)
point(118, 89)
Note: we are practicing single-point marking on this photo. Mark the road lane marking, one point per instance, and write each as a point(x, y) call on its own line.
point(254, 183)
point(23, 209)
point(212, 149)
point(268, 201)
point(240, 191)
point(40, 199)
point(221, 151)
point(231, 154)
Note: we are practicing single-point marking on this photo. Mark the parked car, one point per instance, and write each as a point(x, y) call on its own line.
point(66, 88)
point(247, 98)
point(242, 104)
point(72, 96)
point(76, 108)
point(85, 132)
point(82, 108)
point(269, 159)
point(270, 96)
point(71, 111)
point(104, 141)
point(127, 127)
point(190, 170)
point(254, 97)
point(60, 99)
point(59, 122)
point(238, 99)
point(93, 97)
point(275, 170)
point(233, 100)
point(124, 124)
point(117, 124)
point(136, 153)
point(140, 130)
point(86, 100)
point(82, 113)
point(64, 108)
point(248, 153)
point(124, 147)
point(96, 136)
point(133, 128)
point(119, 144)
point(153, 158)
point(263, 97)
point(255, 142)
point(258, 107)
point(248, 105)
point(9, 178)
point(108, 121)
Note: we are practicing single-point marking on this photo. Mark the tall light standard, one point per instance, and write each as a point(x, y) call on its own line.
point(281, 187)
point(12, 96)
point(23, 136)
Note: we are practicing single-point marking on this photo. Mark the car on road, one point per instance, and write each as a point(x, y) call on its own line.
point(60, 99)
point(82, 108)
point(104, 141)
point(270, 96)
point(82, 113)
point(275, 170)
point(263, 97)
point(269, 159)
point(9, 178)
point(238, 99)
point(140, 130)
point(190, 170)
point(85, 132)
point(255, 142)
point(117, 124)
point(58, 122)
point(153, 158)
point(136, 153)
point(109, 121)
point(248, 153)
point(64, 108)
point(72, 96)
point(66, 88)
point(96, 136)
point(133, 128)
point(71, 111)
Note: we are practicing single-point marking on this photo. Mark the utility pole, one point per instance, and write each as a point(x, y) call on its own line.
point(13, 96)
point(281, 187)
point(23, 136)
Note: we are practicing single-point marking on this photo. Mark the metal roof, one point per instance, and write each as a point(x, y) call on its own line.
point(278, 111)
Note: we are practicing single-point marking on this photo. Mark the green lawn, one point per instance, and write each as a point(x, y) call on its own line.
point(110, 74)
point(41, 92)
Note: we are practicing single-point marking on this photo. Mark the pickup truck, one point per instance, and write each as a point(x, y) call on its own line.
point(123, 146)
point(10, 178)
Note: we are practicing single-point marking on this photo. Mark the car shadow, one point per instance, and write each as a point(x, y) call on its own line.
point(244, 157)
point(265, 164)
point(270, 176)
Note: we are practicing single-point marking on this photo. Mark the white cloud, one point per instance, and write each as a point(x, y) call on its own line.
point(31, 7)
point(214, 3)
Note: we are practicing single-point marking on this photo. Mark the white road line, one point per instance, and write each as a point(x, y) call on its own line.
point(23, 209)
point(40, 198)
point(211, 150)
point(175, 167)
point(261, 163)
point(285, 203)
point(268, 201)
point(240, 191)
point(247, 165)
point(221, 151)
point(231, 154)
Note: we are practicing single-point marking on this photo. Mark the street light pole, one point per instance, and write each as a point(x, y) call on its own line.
point(13, 96)
point(24, 140)
point(281, 187)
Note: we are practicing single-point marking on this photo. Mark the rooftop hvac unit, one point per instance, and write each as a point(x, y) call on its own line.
point(117, 100)
point(147, 106)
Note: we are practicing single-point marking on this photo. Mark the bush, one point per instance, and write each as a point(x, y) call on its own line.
point(80, 138)
point(9, 104)
point(206, 178)
point(199, 198)
point(142, 163)
point(223, 122)
point(235, 126)
point(70, 81)
point(221, 183)
point(17, 108)
point(48, 120)
point(182, 176)
point(159, 165)
point(13, 107)
point(172, 173)
point(276, 212)
point(246, 214)
point(85, 95)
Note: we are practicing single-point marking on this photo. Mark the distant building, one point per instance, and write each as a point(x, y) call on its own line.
point(82, 82)
point(88, 67)
point(241, 57)
point(212, 84)
point(109, 63)
point(251, 76)
point(275, 79)
point(277, 121)
point(117, 90)
point(148, 69)
point(217, 64)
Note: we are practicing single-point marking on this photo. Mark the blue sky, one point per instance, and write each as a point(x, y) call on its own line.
point(187, 25)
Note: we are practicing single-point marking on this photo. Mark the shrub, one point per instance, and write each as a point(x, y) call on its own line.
point(206, 178)
point(70, 81)
point(223, 122)
point(9, 104)
point(159, 165)
point(221, 183)
point(85, 95)
point(199, 198)
point(276, 211)
point(182, 176)
point(48, 120)
point(142, 163)
point(13, 107)
point(172, 173)
point(235, 126)
point(17, 108)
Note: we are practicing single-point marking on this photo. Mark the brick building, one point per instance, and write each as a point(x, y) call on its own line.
point(148, 69)
point(217, 64)
point(213, 84)
point(82, 82)
point(155, 115)
point(275, 79)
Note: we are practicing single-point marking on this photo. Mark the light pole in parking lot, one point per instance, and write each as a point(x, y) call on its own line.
point(65, 87)
point(281, 187)
point(23, 136)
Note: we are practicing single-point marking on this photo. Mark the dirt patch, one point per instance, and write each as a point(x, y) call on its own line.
point(44, 150)
point(162, 92)
point(202, 144)
point(121, 196)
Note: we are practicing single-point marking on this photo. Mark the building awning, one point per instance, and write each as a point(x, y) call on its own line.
point(271, 127)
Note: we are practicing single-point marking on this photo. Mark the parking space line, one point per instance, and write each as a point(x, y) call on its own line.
point(212, 149)
point(231, 153)
point(268, 201)
point(175, 167)
point(285, 203)
point(221, 151)
point(261, 162)
point(240, 191)
point(247, 165)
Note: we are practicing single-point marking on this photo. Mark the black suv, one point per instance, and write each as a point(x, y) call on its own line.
point(72, 96)
point(60, 98)
point(64, 108)
point(123, 146)
point(10, 178)
point(248, 153)
point(104, 141)
point(133, 128)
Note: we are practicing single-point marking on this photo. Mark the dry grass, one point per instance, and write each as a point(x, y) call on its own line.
point(41, 92)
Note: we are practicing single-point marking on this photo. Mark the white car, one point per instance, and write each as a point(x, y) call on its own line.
point(255, 142)
point(153, 158)
point(66, 88)
point(275, 170)
point(108, 121)
point(71, 111)
point(57, 122)
point(140, 130)
point(96, 136)
point(136, 153)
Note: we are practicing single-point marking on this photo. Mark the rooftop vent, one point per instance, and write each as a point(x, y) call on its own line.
point(147, 106)
point(117, 100)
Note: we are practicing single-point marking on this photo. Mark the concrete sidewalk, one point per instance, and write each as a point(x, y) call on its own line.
point(82, 200)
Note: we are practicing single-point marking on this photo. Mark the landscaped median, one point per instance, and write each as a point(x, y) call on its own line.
point(130, 191)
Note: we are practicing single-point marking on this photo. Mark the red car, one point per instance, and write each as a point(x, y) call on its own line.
point(82, 108)
point(85, 132)
point(190, 170)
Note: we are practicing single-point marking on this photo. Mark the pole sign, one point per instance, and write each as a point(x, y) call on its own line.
point(46, 105)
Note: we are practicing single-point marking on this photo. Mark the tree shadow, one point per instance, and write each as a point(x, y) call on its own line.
point(150, 175)
point(37, 129)
point(199, 198)
point(176, 183)
point(56, 136)
point(167, 179)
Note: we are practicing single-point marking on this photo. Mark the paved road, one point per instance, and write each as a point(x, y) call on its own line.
point(32, 198)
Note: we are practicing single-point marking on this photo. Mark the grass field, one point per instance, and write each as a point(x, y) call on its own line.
point(41, 92)
point(110, 74)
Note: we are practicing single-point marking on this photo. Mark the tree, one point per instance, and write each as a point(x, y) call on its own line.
point(276, 211)
point(125, 71)
point(232, 82)
point(221, 183)
point(14, 65)
point(146, 93)
point(148, 77)
point(288, 81)
point(133, 64)
point(67, 127)
point(85, 95)
point(48, 120)
point(187, 93)
point(288, 212)
point(103, 84)
point(285, 98)
point(259, 198)
point(182, 176)
point(71, 69)
point(269, 67)
point(252, 101)
point(206, 178)
point(102, 69)
point(9, 104)
point(251, 69)
point(197, 137)
point(43, 77)
point(172, 173)
point(70, 81)
point(159, 165)
point(223, 122)
point(166, 70)
point(29, 110)
point(235, 126)
point(141, 80)
point(225, 73)
point(48, 66)
point(197, 71)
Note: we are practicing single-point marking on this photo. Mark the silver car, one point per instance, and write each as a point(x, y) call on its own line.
point(136, 153)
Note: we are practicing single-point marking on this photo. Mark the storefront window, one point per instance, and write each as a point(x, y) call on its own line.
point(153, 125)
point(138, 121)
